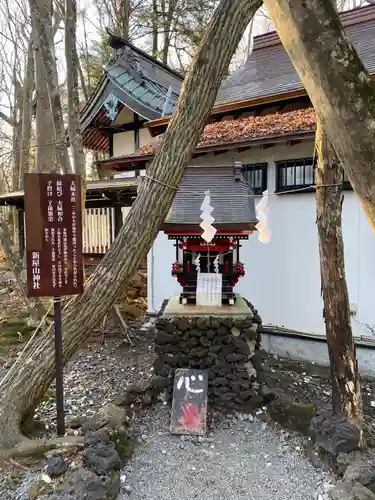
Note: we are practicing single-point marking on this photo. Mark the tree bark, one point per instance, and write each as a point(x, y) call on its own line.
point(33, 372)
point(28, 87)
point(339, 86)
point(44, 34)
point(45, 156)
point(346, 390)
point(72, 64)
point(155, 32)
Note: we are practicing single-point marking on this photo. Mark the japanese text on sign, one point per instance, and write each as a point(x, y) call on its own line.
point(53, 234)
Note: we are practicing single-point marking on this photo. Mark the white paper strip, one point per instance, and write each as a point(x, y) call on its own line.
point(209, 289)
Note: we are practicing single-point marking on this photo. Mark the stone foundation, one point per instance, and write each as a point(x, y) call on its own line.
point(225, 343)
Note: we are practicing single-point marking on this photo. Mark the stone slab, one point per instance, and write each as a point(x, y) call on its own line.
point(174, 308)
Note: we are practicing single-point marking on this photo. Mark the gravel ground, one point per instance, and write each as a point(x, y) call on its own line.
point(248, 460)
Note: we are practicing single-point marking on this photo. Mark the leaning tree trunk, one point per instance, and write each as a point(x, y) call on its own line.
point(33, 372)
point(346, 390)
point(339, 86)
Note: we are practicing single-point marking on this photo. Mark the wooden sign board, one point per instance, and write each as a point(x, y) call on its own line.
point(189, 406)
point(53, 226)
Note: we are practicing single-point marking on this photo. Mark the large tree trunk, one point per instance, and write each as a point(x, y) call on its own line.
point(42, 26)
point(45, 157)
point(72, 64)
point(346, 391)
point(28, 87)
point(339, 87)
point(33, 372)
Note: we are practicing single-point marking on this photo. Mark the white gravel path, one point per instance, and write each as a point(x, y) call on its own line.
point(250, 460)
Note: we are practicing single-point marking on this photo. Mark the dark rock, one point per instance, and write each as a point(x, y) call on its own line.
point(214, 323)
point(293, 415)
point(258, 358)
point(350, 491)
point(159, 349)
point(199, 352)
point(123, 442)
point(334, 434)
point(226, 349)
point(204, 341)
point(210, 334)
point(196, 333)
point(56, 466)
point(242, 346)
point(215, 348)
point(148, 398)
point(228, 396)
point(270, 393)
point(85, 484)
point(257, 319)
point(171, 349)
point(160, 368)
point(235, 357)
point(183, 324)
point(192, 342)
point(110, 416)
point(247, 394)
point(93, 438)
point(202, 323)
point(102, 458)
point(219, 381)
point(162, 338)
point(170, 327)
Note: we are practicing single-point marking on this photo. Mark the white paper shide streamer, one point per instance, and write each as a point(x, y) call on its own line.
point(216, 264)
point(207, 220)
point(262, 211)
point(197, 262)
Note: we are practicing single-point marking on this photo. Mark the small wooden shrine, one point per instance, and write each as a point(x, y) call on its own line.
point(233, 219)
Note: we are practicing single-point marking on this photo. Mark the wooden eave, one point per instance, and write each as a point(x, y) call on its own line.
point(193, 229)
point(130, 162)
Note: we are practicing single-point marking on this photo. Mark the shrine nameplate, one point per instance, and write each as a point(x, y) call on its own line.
point(53, 217)
point(189, 406)
point(209, 289)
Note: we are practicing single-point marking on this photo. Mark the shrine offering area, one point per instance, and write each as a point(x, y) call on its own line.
point(225, 343)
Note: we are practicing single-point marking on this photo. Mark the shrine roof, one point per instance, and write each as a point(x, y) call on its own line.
point(268, 75)
point(134, 80)
point(269, 69)
point(240, 132)
point(231, 197)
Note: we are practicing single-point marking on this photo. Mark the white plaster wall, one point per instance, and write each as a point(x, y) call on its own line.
point(283, 277)
point(123, 142)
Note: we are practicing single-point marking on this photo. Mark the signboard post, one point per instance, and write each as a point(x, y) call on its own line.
point(54, 258)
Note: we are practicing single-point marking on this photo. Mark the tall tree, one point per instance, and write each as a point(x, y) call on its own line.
point(45, 160)
point(72, 70)
point(338, 84)
point(41, 13)
point(33, 372)
point(346, 391)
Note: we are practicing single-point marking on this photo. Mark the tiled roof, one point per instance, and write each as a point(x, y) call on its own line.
point(221, 182)
point(269, 69)
point(245, 129)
